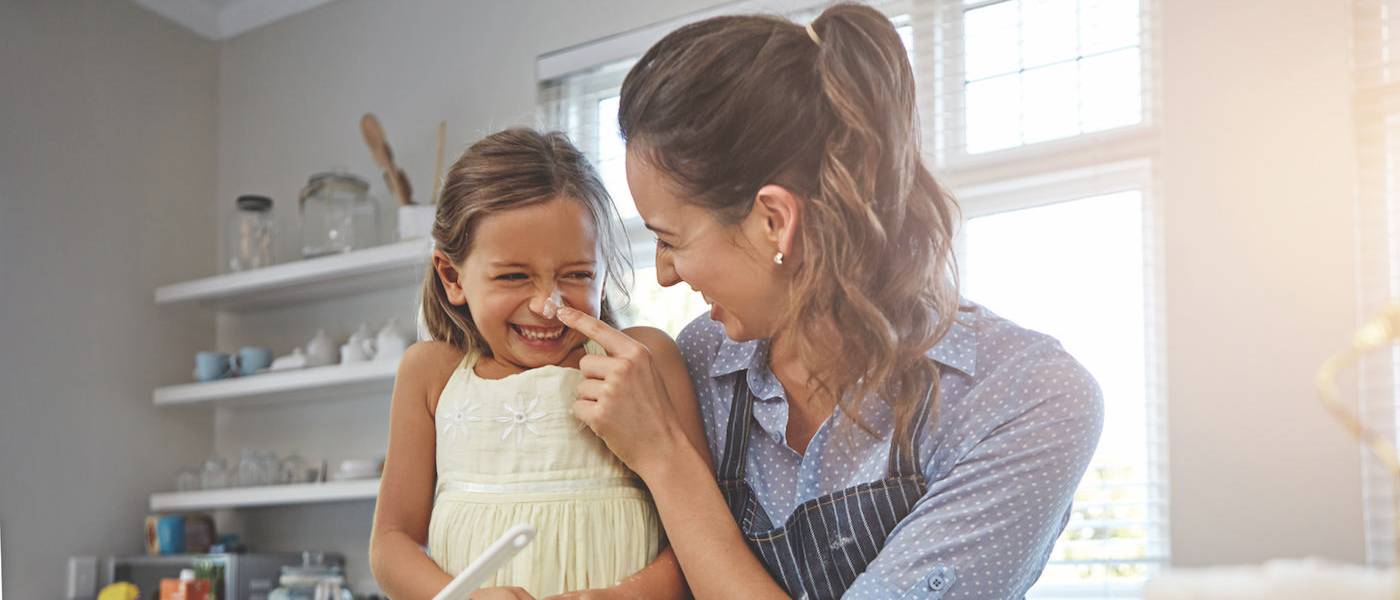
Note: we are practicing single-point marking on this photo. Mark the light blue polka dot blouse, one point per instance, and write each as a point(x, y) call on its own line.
point(1015, 428)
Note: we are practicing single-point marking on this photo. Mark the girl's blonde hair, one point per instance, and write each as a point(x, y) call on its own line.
point(728, 105)
point(511, 169)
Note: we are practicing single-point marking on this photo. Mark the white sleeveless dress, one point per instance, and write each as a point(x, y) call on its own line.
point(509, 451)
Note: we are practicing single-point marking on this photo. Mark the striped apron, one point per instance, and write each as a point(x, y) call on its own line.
point(827, 541)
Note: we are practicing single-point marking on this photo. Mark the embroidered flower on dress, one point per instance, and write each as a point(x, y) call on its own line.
point(520, 419)
point(458, 418)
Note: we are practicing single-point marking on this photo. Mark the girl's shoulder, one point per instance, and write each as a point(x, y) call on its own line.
point(650, 337)
point(426, 368)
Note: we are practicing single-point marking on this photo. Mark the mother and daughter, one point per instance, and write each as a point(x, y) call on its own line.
point(842, 423)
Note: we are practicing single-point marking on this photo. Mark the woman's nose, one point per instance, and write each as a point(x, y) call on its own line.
point(666, 271)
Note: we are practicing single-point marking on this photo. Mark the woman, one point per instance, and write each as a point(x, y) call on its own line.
point(873, 436)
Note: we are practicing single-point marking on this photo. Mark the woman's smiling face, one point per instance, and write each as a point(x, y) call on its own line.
point(516, 260)
point(727, 264)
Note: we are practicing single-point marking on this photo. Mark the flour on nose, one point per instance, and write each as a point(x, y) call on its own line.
point(553, 303)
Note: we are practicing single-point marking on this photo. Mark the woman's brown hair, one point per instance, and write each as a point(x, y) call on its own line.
point(507, 170)
point(728, 105)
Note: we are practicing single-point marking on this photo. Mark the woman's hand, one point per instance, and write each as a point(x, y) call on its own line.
point(623, 397)
point(502, 593)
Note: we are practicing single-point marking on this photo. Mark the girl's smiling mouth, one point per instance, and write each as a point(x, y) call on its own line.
point(539, 336)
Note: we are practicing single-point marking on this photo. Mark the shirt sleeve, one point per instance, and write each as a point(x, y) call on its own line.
point(984, 529)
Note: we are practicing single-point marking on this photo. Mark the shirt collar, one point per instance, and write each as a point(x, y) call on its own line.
point(957, 349)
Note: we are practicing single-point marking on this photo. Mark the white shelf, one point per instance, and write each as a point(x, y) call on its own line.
point(390, 265)
point(272, 495)
point(315, 383)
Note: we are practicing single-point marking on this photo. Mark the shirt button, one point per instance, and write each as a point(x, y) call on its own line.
point(935, 583)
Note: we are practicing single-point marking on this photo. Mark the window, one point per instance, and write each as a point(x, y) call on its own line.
point(1005, 74)
point(1038, 116)
point(1073, 257)
point(1036, 70)
point(1043, 129)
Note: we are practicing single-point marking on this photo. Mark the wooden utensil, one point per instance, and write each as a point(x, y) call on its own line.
point(437, 168)
point(384, 157)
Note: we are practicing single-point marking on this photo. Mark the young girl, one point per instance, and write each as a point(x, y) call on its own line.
point(482, 435)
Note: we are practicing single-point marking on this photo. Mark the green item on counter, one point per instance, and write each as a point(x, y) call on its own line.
point(212, 570)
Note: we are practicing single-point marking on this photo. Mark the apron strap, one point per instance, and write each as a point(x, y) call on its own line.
point(736, 438)
point(904, 460)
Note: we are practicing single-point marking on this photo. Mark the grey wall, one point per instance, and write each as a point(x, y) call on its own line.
point(106, 191)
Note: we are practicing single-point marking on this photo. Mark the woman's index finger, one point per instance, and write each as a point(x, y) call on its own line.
point(613, 341)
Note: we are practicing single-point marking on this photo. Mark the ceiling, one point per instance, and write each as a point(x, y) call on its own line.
point(222, 19)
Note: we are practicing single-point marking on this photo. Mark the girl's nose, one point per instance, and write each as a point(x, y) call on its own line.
point(546, 302)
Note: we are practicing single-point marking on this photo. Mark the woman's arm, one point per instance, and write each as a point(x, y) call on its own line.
point(405, 504)
point(985, 528)
point(624, 398)
point(663, 577)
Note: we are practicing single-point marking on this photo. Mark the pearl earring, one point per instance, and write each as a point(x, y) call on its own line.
point(778, 258)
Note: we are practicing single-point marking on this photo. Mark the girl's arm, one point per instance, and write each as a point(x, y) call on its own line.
point(396, 556)
point(624, 398)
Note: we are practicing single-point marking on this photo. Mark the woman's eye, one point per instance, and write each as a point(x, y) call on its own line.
point(662, 245)
point(581, 275)
point(512, 277)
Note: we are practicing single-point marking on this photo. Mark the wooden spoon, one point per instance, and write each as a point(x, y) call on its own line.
point(437, 168)
point(384, 157)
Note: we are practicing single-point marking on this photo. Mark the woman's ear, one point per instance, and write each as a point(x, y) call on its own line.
point(780, 212)
point(450, 276)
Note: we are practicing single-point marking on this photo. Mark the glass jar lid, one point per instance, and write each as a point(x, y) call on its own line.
point(254, 203)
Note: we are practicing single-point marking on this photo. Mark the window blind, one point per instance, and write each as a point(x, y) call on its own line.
point(1377, 47)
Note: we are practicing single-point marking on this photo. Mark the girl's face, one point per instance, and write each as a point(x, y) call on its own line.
point(516, 260)
point(731, 266)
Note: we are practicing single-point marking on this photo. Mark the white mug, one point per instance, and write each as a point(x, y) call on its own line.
point(355, 351)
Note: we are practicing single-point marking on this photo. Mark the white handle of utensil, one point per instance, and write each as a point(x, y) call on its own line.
point(495, 557)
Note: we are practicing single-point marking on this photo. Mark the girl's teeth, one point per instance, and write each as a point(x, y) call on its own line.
point(535, 334)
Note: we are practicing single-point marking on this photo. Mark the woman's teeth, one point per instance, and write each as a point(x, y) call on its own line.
point(539, 334)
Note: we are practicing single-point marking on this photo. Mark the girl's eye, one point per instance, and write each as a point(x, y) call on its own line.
point(581, 275)
point(512, 277)
point(662, 245)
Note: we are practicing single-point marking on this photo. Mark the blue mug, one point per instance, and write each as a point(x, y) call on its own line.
point(209, 366)
point(170, 534)
point(252, 359)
